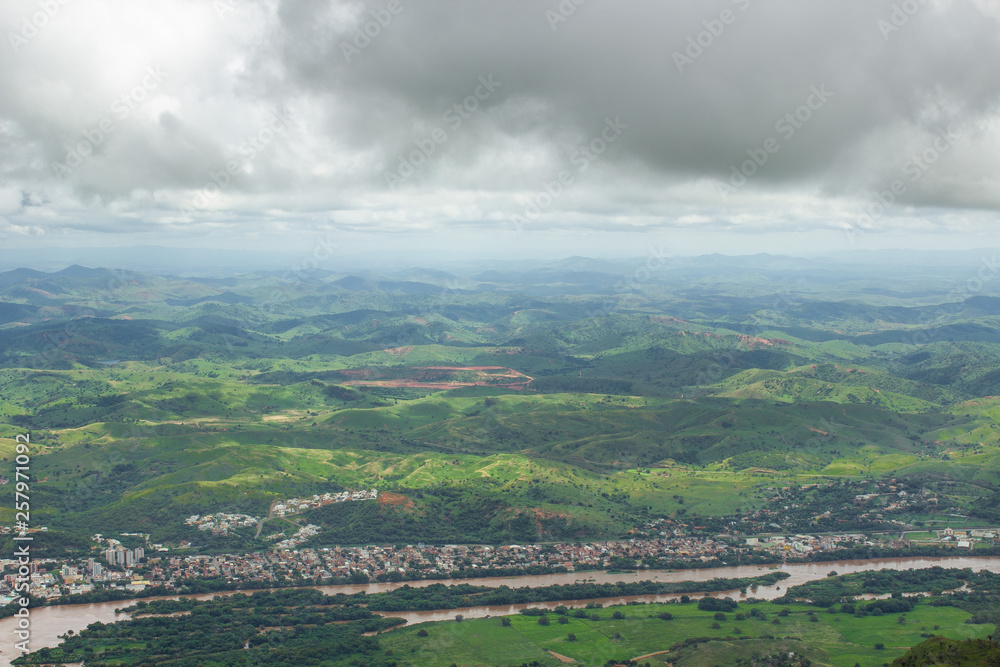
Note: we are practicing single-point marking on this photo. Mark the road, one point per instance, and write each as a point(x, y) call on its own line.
point(270, 515)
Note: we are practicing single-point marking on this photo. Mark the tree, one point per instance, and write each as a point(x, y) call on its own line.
point(618, 615)
point(991, 612)
point(505, 622)
point(571, 637)
point(543, 620)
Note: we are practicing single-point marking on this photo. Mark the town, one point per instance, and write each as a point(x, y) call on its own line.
point(132, 571)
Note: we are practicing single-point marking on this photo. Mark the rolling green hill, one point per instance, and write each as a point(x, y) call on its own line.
point(550, 402)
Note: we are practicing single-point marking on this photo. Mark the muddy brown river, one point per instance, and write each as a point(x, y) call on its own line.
point(47, 623)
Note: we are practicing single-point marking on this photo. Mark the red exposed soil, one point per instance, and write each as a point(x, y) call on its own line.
point(755, 341)
point(438, 377)
point(395, 499)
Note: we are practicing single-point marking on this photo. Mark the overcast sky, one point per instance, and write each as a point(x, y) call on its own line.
point(531, 127)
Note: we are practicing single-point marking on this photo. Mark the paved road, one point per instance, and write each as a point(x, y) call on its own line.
point(260, 524)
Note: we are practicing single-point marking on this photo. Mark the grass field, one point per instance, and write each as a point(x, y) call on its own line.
point(839, 640)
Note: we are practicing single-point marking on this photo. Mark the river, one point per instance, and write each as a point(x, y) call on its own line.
point(47, 623)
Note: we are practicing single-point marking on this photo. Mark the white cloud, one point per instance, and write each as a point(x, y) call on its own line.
point(354, 119)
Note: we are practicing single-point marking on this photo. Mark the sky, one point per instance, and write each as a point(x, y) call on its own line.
point(514, 128)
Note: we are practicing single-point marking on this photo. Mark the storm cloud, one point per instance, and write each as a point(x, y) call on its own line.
point(183, 118)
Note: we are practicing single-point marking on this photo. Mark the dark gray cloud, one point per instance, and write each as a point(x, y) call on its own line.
point(430, 114)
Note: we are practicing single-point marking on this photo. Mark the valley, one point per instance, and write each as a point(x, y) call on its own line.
point(718, 414)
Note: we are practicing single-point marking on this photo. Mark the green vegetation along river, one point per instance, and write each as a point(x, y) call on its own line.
point(47, 623)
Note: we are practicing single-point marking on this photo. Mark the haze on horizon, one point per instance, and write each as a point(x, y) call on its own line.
point(485, 129)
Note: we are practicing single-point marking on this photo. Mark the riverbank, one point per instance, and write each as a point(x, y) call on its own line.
point(47, 623)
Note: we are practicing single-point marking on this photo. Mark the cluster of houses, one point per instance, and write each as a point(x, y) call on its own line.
point(51, 578)
point(297, 505)
point(297, 538)
point(803, 544)
point(966, 539)
point(223, 523)
point(128, 569)
point(220, 523)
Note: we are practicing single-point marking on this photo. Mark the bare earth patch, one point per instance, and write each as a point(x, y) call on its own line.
point(386, 498)
point(438, 377)
point(562, 658)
